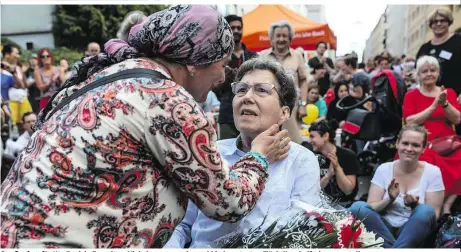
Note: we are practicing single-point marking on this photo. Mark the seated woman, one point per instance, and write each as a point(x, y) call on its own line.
point(313, 97)
point(405, 196)
point(437, 110)
point(341, 90)
point(338, 166)
point(264, 95)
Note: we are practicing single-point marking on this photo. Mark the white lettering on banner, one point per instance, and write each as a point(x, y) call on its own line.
point(298, 35)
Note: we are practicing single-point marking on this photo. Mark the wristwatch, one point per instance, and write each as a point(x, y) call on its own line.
point(302, 103)
point(445, 105)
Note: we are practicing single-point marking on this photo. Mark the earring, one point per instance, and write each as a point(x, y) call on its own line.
point(191, 74)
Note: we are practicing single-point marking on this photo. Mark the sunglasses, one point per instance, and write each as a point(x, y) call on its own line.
point(436, 21)
point(45, 56)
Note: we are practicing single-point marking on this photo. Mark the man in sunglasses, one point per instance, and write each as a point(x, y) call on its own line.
point(224, 92)
point(446, 47)
point(264, 95)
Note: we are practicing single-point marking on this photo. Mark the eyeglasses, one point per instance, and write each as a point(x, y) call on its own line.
point(260, 89)
point(436, 21)
point(45, 56)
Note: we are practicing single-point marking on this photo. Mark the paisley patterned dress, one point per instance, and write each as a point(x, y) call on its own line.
point(116, 167)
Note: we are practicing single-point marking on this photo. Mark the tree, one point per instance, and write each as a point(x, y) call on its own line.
point(75, 26)
point(7, 41)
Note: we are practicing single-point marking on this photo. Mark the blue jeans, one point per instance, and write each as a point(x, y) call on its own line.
point(412, 234)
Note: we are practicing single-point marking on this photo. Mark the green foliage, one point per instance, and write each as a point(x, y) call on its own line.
point(7, 41)
point(75, 26)
point(70, 55)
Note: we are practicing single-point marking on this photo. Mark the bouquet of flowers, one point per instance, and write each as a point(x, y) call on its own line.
point(305, 226)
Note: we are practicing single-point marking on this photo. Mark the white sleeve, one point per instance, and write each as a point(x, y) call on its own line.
point(306, 186)
point(182, 234)
point(380, 178)
point(435, 179)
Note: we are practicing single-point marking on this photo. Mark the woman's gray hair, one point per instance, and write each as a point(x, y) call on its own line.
point(287, 89)
point(281, 24)
point(426, 60)
point(131, 19)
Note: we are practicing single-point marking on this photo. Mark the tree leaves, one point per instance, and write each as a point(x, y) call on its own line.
point(74, 26)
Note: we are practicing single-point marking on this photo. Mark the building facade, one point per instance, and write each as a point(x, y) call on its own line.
point(419, 31)
point(32, 32)
point(405, 29)
point(397, 29)
point(375, 43)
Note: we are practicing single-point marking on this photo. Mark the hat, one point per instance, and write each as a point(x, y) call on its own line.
point(34, 56)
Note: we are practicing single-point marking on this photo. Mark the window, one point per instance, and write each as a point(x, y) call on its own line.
point(30, 45)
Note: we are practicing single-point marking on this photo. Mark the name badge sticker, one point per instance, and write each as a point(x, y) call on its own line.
point(445, 55)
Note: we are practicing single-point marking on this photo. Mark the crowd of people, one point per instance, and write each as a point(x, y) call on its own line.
point(158, 135)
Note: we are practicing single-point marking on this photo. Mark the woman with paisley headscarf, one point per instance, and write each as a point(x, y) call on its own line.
point(115, 166)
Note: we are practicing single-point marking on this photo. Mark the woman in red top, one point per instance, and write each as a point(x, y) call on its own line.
point(438, 110)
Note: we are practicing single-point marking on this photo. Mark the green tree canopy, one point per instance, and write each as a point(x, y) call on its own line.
point(75, 26)
point(7, 41)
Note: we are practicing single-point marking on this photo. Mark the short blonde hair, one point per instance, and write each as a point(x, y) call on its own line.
point(426, 60)
point(444, 12)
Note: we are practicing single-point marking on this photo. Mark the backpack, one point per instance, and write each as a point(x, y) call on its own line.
point(389, 89)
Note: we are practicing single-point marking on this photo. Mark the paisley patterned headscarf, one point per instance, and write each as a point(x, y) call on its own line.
point(186, 34)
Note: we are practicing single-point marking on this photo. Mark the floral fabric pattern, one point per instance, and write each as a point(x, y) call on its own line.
point(115, 167)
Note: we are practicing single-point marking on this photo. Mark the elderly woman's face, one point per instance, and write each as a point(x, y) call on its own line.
point(257, 107)
point(428, 75)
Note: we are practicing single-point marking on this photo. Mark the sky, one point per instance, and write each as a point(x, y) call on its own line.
point(353, 26)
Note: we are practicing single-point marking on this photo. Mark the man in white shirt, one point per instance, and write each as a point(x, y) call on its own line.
point(14, 147)
point(295, 178)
